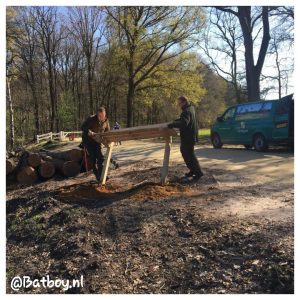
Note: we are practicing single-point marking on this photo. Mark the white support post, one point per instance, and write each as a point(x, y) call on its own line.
point(165, 167)
point(61, 135)
point(37, 139)
point(51, 136)
point(106, 164)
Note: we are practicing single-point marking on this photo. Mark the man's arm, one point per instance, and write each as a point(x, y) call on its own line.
point(182, 122)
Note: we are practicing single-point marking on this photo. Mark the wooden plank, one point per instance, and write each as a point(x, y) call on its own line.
point(132, 133)
point(106, 164)
point(165, 167)
point(133, 136)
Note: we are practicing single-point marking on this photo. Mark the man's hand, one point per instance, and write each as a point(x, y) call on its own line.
point(170, 125)
point(91, 133)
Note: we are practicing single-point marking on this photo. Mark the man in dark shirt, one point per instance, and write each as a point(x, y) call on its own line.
point(188, 127)
point(95, 124)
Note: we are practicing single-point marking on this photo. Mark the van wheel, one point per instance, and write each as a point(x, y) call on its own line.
point(248, 147)
point(260, 143)
point(216, 141)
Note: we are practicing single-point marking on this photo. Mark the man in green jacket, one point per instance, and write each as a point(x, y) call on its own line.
point(188, 127)
point(97, 123)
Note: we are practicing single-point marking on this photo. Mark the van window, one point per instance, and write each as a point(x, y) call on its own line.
point(253, 111)
point(229, 114)
point(267, 106)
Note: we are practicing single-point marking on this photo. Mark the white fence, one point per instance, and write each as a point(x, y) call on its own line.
point(60, 136)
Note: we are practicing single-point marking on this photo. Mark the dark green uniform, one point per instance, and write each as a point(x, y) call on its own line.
point(94, 148)
point(188, 127)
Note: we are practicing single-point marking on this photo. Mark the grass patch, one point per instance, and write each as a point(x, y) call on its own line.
point(205, 132)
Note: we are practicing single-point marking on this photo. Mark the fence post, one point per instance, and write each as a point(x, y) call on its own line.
point(37, 139)
point(51, 136)
point(61, 135)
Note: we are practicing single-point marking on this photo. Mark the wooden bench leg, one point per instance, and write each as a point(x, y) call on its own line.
point(106, 164)
point(165, 168)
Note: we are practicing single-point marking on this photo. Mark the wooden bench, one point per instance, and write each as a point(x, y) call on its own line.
point(136, 133)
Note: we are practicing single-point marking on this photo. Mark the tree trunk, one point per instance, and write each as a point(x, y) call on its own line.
point(52, 95)
point(115, 106)
point(253, 71)
point(279, 72)
point(55, 100)
point(245, 21)
point(11, 116)
point(130, 99)
point(90, 87)
point(35, 98)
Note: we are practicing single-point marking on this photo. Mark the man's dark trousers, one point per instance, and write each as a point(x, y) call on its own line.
point(96, 157)
point(189, 157)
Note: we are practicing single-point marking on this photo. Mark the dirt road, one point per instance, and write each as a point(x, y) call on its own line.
point(275, 165)
point(270, 174)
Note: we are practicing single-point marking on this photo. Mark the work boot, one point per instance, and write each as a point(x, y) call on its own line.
point(197, 176)
point(189, 174)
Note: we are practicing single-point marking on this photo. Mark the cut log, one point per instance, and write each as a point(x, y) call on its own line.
point(46, 169)
point(27, 175)
point(34, 160)
point(73, 154)
point(67, 168)
point(22, 163)
point(10, 165)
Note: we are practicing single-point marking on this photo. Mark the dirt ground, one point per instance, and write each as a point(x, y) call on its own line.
point(231, 232)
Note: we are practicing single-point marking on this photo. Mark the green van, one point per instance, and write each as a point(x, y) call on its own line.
point(256, 124)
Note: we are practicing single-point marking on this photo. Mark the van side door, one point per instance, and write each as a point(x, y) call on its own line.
point(252, 118)
point(226, 126)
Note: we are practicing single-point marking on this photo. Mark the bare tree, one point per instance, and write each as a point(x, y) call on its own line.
point(248, 20)
point(12, 33)
point(221, 43)
point(46, 24)
point(281, 43)
point(28, 52)
point(88, 27)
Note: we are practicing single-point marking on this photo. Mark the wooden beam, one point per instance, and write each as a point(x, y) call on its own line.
point(106, 163)
point(165, 167)
point(135, 133)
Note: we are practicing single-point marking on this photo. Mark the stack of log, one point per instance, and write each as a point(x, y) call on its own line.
point(32, 166)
